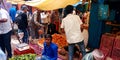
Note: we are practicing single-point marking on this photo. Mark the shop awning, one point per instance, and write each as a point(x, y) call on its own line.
point(50, 4)
point(16, 1)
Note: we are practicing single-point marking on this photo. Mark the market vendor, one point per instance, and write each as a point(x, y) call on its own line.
point(50, 51)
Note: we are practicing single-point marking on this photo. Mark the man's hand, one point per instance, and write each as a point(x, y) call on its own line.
point(82, 27)
point(62, 31)
point(41, 25)
point(3, 20)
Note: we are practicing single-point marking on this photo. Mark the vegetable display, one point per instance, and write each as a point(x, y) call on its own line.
point(24, 57)
point(58, 39)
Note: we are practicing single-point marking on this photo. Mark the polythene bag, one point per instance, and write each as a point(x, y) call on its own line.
point(2, 55)
point(96, 54)
point(103, 11)
point(88, 56)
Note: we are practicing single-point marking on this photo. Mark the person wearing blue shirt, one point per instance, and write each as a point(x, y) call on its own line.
point(12, 13)
point(50, 51)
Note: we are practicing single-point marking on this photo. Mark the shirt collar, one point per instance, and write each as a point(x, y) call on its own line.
point(46, 44)
point(69, 14)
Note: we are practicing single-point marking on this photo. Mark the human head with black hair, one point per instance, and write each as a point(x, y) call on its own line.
point(48, 39)
point(68, 9)
point(24, 8)
point(13, 5)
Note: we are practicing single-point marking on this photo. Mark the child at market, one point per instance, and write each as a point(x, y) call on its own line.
point(50, 51)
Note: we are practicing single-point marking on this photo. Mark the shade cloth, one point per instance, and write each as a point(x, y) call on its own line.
point(50, 4)
point(46, 4)
point(16, 1)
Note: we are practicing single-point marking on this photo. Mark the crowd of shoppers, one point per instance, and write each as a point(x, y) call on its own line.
point(30, 25)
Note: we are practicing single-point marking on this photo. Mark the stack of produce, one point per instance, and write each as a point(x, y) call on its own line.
point(58, 39)
point(41, 41)
point(24, 57)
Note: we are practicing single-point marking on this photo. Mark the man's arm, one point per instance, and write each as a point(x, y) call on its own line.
point(62, 30)
point(3, 20)
point(81, 24)
point(35, 20)
point(55, 52)
point(3, 17)
point(43, 51)
point(62, 27)
point(82, 27)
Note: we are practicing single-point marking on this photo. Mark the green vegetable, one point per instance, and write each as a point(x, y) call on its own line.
point(24, 57)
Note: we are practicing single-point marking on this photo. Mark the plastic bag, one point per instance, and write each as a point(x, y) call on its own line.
point(103, 11)
point(88, 56)
point(96, 54)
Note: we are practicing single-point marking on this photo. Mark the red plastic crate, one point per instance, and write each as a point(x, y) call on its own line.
point(116, 49)
point(117, 42)
point(17, 52)
point(38, 49)
point(107, 42)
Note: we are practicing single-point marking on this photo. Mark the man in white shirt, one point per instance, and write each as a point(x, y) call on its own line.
point(72, 24)
point(5, 32)
point(35, 24)
point(44, 19)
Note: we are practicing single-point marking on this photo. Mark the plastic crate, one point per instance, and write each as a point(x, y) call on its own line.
point(116, 49)
point(38, 49)
point(107, 42)
point(17, 52)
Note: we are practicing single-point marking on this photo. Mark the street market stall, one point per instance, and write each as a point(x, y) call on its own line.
point(59, 39)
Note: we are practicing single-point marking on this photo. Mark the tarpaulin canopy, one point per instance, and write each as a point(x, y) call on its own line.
point(16, 1)
point(51, 4)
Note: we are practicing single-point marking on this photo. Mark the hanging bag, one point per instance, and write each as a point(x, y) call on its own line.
point(103, 11)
